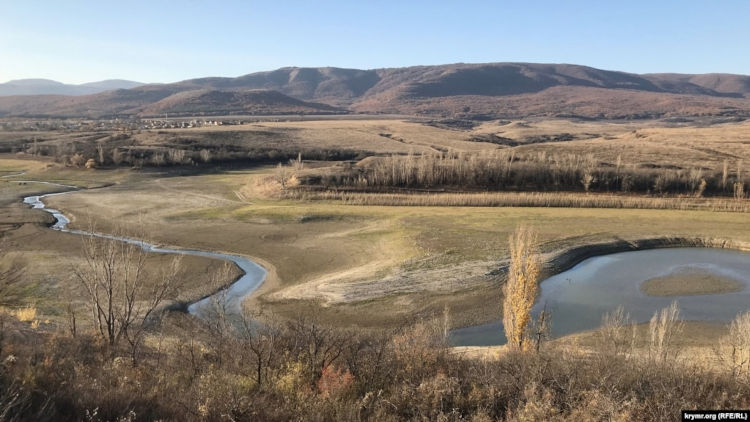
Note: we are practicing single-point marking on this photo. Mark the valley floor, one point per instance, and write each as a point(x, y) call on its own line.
point(355, 265)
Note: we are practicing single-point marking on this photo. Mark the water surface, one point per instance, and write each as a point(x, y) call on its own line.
point(578, 298)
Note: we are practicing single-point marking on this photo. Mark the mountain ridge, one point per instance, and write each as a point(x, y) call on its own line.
point(461, 89)
point(40, 86)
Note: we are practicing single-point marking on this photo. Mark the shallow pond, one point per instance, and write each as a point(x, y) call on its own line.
point(578, 298)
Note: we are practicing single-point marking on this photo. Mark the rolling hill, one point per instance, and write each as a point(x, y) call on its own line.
point(492, 90)
point(49, 87)
point(216, 102)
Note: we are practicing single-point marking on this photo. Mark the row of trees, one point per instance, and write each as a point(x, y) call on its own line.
point(506, 170)
point(122, 150)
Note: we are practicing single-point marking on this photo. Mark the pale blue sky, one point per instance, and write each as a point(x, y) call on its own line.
point(165, 41)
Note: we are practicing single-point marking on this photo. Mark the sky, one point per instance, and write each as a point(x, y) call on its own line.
point(166, 41)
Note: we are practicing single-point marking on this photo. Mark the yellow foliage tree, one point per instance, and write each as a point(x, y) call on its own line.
point(521, 288)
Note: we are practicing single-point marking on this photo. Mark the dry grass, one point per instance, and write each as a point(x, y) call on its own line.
point(650, 143)
point(378, 136)
point(26, 314)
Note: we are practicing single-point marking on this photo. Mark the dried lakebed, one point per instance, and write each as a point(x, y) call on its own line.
point(709, 284)
point(230, 299)
point(579, 297)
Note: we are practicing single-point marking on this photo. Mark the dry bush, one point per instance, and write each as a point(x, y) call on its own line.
point(597, 405)
point(334, 381)
point(265, 187)
point(77, 160)
point(376, 377)
point(664, 327)
point(418, 349)
point(26, 314)
point(734, 348)
point(537, 406)
point(521, 287)
point(614, 338)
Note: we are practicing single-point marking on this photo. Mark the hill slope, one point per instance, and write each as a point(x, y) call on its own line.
point(215, 102)
point(49, 87)
point(469, 90)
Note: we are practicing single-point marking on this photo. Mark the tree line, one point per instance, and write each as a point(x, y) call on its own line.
point(510, 171)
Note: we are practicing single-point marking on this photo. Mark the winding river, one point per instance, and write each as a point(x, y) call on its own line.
point(230, 298)
point(578, 298)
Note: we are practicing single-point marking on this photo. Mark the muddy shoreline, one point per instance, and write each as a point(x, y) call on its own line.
point(564, 259)
point(568, 258)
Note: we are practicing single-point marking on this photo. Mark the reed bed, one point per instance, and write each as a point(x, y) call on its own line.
point(524, 199)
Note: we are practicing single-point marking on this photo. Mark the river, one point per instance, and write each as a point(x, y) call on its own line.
point(230, 298)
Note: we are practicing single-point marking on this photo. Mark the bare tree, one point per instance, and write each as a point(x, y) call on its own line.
point(446, 322)
point(316, 346)
point(282, 175)
point(587, 179)
point(117, 156)
point(122, 296)
point(260, 343)
point(540, 329)
point(739, 190)
point(205, 155)
point(297, 164)
point(100, 153)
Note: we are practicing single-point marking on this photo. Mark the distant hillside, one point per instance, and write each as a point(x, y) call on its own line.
point(153, 101)
point(214, 102)
point(49, 87)
point(492, 90)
